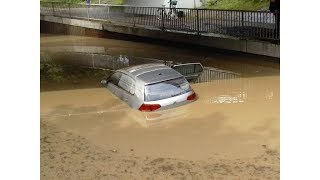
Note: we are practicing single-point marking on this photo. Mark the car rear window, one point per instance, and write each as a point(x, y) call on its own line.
point(166, 89)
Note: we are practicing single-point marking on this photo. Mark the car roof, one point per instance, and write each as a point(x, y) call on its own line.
point(151, 73)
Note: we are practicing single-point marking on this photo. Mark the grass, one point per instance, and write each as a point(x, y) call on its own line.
point(115, 2)
point(64, 1)
point(252, 5)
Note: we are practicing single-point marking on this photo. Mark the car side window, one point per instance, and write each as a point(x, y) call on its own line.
point(127, 83)
point(187, 69)
point(114, 79)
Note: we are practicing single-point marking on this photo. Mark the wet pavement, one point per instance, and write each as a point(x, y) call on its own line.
point(231, 131)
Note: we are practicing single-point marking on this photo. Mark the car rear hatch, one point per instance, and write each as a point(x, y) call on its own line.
point(167, 94)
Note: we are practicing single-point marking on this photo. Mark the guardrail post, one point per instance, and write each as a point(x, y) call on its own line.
point(198, 33)
point(278, 25)
point(108, 9)
point(242, 19)
point(162, 18)
point(53, 9)
point(242, 31)
point(69, 10)
point(88, 6)
point(133, 17)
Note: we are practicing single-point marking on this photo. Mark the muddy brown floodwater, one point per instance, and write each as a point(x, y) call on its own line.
point(230, 132)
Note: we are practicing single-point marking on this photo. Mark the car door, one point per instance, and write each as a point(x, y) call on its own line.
point(127, 85)
point(191, 71)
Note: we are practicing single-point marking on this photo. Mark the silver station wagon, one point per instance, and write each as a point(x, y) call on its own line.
point(155, 86)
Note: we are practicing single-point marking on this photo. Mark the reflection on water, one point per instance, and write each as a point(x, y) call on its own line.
point(74, 49)
point(237, 110)
point(162, 118)
point(226, 99)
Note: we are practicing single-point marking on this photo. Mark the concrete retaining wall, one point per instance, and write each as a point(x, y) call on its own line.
point(210, 40)
point(108, 62)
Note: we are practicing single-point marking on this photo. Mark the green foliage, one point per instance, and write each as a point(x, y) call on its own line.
point(211, 3)
point(65, 1)
point(116, 2)
point(252, 5)
point(51, 72)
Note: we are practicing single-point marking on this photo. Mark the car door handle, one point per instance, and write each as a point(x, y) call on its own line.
point(125, 99)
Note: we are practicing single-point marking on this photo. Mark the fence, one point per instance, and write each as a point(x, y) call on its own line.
point(243, 24)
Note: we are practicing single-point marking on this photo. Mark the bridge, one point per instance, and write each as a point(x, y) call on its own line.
point(226, 29)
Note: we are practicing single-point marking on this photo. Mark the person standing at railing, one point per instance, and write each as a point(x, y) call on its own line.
point(275, 8)
point(173, 10)
point(169, 8)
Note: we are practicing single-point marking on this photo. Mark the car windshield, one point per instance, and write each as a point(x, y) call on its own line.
point(166, 89)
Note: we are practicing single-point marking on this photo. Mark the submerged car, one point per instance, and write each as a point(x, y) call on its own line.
point(155, 86)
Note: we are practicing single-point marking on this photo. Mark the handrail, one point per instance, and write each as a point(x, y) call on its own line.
point(262, 25)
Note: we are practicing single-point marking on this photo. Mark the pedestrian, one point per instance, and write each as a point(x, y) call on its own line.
point(275, 8)
point(173, 10)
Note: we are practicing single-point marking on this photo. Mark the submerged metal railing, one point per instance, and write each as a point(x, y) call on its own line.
point(243, 24)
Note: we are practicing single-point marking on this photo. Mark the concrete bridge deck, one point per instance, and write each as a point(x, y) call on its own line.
point(206, 39)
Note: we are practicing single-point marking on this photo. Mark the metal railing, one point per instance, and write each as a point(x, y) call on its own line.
point(262, 25)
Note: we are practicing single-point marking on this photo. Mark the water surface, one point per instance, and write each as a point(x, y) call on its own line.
point(236, 116)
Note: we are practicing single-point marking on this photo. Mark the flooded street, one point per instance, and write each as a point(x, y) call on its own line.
point(232, 131)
